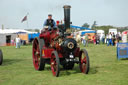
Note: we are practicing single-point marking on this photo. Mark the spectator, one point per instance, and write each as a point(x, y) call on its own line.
point(107, 38)
point(113, 38)
point(110, 39)
point(94, 39)
point(85, 40)
point(18, 42)
point(97, 39)
point(103, 38)
point(12, 42)
point(117, 38)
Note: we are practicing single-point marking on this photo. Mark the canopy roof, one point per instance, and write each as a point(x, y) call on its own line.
point(18, 31)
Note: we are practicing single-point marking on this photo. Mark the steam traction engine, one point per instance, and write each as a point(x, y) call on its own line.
point(56, 48)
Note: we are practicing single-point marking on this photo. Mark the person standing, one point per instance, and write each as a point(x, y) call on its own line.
point(117, 38)
point(97, 39)
point(107, 38)
point(113, 39)
point(94, 39)
point(110, 40)
point(18, 42)
point(103, 38)
point(86, 40)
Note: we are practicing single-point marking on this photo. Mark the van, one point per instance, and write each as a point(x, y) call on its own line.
point(113, 31)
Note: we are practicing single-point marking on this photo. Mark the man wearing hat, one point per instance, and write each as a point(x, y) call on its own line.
point(50, 22)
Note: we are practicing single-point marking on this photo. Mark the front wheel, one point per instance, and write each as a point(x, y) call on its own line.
point(1, 57)
point(55, 62)
point(84, 61)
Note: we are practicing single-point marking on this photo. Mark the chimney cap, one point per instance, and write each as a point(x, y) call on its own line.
point(66, 6)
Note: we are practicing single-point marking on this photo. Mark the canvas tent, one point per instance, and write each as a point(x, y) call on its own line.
point(7, 35)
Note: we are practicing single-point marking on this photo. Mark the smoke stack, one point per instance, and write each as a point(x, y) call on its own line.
point(67, 16)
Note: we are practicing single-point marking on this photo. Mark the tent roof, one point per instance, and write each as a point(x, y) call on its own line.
point(6, 31)
point(87, 31)
point(78, 27)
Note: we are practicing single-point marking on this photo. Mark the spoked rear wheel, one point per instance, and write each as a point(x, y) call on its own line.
point(55, 62)
point(38, 61)
point(1, 57)
point(84, 61)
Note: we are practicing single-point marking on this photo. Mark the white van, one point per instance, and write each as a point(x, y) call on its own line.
point(113, 30)
point(100, 33)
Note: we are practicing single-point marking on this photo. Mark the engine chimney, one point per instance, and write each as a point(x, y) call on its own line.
point(67, 16)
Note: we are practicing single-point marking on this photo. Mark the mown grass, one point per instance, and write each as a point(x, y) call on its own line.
point(105, 69)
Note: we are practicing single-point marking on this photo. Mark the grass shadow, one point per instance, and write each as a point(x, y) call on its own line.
point(124, 59)
point(10, 61)
point(93, 70)
point(76, 70)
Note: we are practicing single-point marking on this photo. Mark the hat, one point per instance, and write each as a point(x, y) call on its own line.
point(49, 14)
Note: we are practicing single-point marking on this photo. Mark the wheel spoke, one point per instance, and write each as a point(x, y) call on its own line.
point(84, 67)
point(55, 64)
point(84, 62)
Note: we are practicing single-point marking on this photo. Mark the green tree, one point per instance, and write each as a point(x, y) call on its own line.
point(86, 25)
point(94, 25)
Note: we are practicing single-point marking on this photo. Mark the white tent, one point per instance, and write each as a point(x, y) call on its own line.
point(6, 31)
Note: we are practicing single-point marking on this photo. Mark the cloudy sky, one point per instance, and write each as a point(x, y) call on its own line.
point(105, 12)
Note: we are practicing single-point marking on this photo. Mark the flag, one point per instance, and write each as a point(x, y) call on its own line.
point(24, 19)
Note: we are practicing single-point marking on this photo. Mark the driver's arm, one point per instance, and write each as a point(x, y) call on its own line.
point(45, 22)
point(54, 24)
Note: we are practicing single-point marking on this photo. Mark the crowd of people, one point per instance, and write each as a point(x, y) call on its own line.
point(109, 39)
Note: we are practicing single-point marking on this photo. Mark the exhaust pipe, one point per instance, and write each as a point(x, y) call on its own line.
point(67, 16)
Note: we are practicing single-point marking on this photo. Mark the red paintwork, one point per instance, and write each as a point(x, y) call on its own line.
point(83, 63)
point(48, 52)
point(49, 37)
point(77, 52)
point(45, 35)
point(36, 56)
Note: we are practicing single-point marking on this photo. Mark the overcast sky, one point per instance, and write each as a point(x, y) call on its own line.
point(105, 12)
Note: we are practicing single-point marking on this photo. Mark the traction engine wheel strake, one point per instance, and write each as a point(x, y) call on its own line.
point(36, 54)
point(55, 64)
point(38, 61)
point(84, 62)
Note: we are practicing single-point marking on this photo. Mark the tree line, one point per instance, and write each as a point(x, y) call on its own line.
point(104, 27)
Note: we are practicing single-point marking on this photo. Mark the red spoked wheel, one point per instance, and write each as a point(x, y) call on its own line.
point(55, 62)
point(84, 61)
point(38, 61)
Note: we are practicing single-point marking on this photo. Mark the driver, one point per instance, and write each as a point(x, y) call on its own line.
point(50, 22)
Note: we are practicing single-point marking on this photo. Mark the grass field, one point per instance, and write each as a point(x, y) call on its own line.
point(17, 69)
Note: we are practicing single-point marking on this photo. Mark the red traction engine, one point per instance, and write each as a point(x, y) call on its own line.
point(56, 48)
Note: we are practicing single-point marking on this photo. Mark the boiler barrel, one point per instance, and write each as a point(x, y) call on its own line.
point(67, 16)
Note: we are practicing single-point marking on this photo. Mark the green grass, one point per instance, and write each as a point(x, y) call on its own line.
point(105, 69)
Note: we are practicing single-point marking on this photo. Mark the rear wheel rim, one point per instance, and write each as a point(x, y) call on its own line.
point(36, 54)
point(83, 62)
